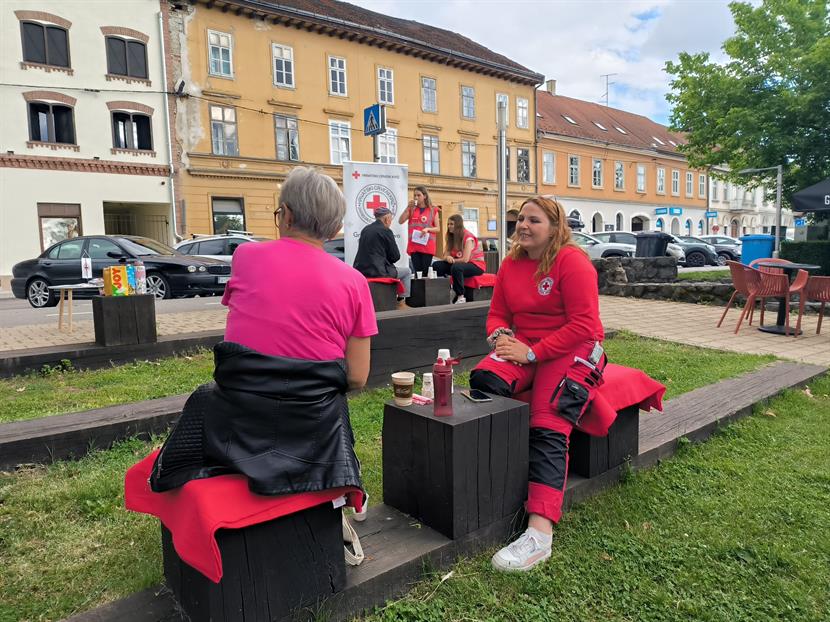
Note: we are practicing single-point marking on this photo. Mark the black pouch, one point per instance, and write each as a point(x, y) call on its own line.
point(576, 391)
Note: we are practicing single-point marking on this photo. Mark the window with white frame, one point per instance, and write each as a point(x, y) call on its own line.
point(522, 107)
point(715, 193)
point(340, 137)
point(223, 131)
point(468, 102)
point(548, 167)
point(619, 176)
point(283, 58)
point(220, 51)
point(701, 185)
point(386, 85)
point(468, 158)
point(641, 178)
point(661, 180)
point(690, 183)
point(388, 146)
point(675, 183)
point(523, 165)
point(596, 173)
point(429, 94)
point(502, 97)
point(431, 159)
point(573, 170)
point(469, 214)
point(337, 76)
point(287, 137)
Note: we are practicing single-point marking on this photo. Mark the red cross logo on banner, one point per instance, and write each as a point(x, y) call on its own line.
point(356, 175)
point(375, 203)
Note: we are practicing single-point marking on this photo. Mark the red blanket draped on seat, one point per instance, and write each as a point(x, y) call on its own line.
point(194, 512)
point(482, 280)
point(389, 280)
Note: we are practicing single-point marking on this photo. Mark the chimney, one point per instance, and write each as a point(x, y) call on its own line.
point(550, 85)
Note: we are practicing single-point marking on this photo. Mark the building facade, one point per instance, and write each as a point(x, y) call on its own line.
point(616, 170)
point(742, 210)
point(269, 86)
point(83, 142)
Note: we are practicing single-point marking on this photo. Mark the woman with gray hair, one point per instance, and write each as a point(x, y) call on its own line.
point(289, 297)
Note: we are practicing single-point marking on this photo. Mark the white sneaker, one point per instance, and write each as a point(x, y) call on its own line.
point(460, 300)
point(361, 516)
point(523, 554)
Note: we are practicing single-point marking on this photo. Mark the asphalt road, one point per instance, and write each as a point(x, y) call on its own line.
point(16, 312)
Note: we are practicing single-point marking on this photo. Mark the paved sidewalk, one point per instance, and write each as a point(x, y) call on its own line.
point(673, 321)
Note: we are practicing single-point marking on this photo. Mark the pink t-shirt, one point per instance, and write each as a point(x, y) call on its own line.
point(287, 298)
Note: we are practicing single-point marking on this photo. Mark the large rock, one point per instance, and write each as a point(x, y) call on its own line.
point(637, 270)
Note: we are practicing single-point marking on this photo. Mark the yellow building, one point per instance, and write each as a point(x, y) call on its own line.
point(616, 170)
point(270, 87)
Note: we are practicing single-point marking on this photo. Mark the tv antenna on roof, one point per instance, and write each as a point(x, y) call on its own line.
point(607, 85)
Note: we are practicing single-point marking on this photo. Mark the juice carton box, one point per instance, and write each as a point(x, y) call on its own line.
point(115, 281)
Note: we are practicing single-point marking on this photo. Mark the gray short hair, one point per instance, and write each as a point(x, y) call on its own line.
point(315, 201)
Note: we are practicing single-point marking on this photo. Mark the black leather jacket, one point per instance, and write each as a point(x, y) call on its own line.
point(282, 422)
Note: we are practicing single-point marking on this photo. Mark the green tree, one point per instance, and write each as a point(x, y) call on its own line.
point(769, 104)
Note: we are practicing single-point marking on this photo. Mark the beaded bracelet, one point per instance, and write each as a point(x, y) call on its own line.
point(491, 340)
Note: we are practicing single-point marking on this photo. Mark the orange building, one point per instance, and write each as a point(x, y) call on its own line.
point(616, 170)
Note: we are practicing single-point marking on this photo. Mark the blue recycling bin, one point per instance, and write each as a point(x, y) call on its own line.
point(756, 247)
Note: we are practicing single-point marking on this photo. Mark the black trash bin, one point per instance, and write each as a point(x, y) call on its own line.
point(652, 244)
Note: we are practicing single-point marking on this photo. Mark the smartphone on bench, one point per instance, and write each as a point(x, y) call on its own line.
point(474, 395)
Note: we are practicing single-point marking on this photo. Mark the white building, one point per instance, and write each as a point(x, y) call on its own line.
point(742, 211)
point(83, 129)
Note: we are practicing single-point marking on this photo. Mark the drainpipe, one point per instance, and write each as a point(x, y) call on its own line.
point(171, 179)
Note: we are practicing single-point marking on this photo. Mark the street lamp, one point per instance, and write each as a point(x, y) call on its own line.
point(779, 183)
point(501, 109)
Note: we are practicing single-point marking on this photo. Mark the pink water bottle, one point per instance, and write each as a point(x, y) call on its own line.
point(442, 379)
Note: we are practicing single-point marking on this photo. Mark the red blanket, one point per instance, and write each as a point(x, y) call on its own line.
point(387, 279)
point(623, 387)
point(195, 511)
point(482, 280)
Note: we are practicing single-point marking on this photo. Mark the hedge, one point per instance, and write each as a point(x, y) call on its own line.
point(815, 252)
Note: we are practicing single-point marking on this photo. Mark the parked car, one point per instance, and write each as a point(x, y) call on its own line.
point(626, 237)
point(698, 253)
point(220, 246)
point(597, 249)
point(169, 273)
point(728, 249)
point(336, 247)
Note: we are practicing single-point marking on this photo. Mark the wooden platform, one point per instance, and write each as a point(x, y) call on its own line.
point(397, 547)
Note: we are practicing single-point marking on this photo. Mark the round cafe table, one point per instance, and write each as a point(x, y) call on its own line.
point(790, 269)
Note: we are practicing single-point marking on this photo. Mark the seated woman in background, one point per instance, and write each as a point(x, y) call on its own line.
point(463, 257)
point(297, 339)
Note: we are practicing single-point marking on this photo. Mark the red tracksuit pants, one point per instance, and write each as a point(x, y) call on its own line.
point(549, 433)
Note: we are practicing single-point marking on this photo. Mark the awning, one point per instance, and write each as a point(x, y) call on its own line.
point(816, 198)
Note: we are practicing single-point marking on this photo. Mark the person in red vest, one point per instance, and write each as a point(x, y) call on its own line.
point(543, 321)
point(463, 257)
point(422, 216)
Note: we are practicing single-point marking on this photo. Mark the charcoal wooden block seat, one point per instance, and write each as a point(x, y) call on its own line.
point(591, 455)
point(124, 320)
point(456, 474)
point(479, 287)
point(429, 292)
point(384, 295)
point(269, 570)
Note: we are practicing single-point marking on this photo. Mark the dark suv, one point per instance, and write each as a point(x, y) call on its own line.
point(698, 252)
point(728, 249)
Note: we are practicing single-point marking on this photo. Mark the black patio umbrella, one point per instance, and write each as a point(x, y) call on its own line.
point(816, 198)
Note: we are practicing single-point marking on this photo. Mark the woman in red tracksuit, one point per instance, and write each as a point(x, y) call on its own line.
point(544, 312)
point(422, 217)
point(463, 257)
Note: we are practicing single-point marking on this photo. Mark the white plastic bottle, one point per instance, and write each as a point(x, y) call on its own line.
point(427, 387)
point(444, 353)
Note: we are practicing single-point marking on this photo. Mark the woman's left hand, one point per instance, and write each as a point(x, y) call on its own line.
point(449, 259)
point(511, 349)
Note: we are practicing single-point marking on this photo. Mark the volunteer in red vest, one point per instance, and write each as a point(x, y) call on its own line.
point(463, 258)
point(423, 227)
point(544, 313)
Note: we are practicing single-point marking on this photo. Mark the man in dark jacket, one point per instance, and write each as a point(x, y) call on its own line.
point(377, 251)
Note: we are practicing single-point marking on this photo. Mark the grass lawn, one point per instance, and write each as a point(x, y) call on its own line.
point(67, 544)
point(705, 275)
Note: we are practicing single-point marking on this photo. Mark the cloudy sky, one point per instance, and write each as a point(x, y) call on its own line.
point(576, 41)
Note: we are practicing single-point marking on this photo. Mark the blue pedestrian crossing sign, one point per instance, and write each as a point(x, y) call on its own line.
point(374, 120)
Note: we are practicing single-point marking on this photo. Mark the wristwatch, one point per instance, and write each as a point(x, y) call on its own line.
point(531, 357)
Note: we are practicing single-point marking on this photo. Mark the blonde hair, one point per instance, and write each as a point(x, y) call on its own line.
point(561, 234)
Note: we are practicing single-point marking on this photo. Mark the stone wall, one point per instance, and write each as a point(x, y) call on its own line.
point(684, 291)
point(636, 270)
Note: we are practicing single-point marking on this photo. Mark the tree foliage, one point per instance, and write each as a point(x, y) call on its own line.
point(769, 103)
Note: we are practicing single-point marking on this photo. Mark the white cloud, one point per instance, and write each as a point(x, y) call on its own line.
point(577, 41)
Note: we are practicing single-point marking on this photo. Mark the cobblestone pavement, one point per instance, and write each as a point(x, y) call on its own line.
point(685, 323)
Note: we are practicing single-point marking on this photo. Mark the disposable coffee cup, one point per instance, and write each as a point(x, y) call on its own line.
point(419, 274)
point(403, 383)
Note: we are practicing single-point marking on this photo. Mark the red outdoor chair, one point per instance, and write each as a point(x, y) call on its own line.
point(818, 289)
point(741, 276)
point(778, 286)
point(752, 264)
